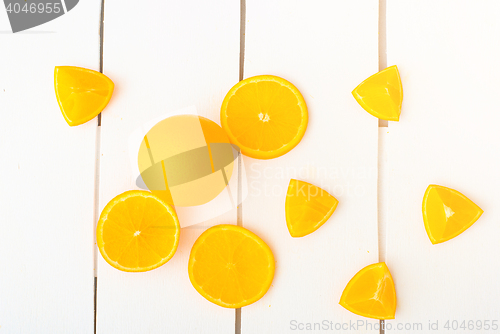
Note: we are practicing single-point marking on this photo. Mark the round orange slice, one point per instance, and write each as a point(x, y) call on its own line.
point(231, 266)
point(81, 93)
point(381, 94)
point(371, 293)
point(307, 207)
point(447, 213)
point(137, 231)
point(265, 116)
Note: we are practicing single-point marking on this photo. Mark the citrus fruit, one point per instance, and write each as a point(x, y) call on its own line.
point(371, 293)
point(265, 116)
point(137, 231)
point(186, 160)
point(447, 213)
point(307, 207)
point(381, 94)
point(81, 93)
point(231, 266)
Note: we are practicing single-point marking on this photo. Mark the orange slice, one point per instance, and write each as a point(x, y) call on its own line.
point(371, 293)
point(265, 116)
point(307, 207)
point(137, 231)
point(447, 213)
point(381, 94)
point(231, 266)
point(81, 93)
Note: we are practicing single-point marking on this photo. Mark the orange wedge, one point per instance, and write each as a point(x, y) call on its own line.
point(231, 266)
point(81, 93)
point(381, 94)
point(137, 231)
point(307, 207)
point(447, 213)
point(265, 116)
point(371, 293)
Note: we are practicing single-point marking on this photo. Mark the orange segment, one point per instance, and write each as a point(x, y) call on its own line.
point(447, 213)
point(307, 207)
point(231, 266)
point(371, 293)
point(381, 94)
point(137, 231)
point(265, 116)
point(81, 93)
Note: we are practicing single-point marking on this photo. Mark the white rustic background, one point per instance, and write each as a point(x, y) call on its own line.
point(167, 55)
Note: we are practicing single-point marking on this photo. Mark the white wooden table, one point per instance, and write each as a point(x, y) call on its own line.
point(167, 55)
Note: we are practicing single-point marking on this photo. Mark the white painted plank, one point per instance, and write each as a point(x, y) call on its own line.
point(47, 183)
point(447, 53)
point(383, 202)
point(325, 49)
point(177, 54)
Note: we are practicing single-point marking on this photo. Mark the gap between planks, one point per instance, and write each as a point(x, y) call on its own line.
point(384, 126)
point(382, 45)
point(239, 211)
point(98, 165)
